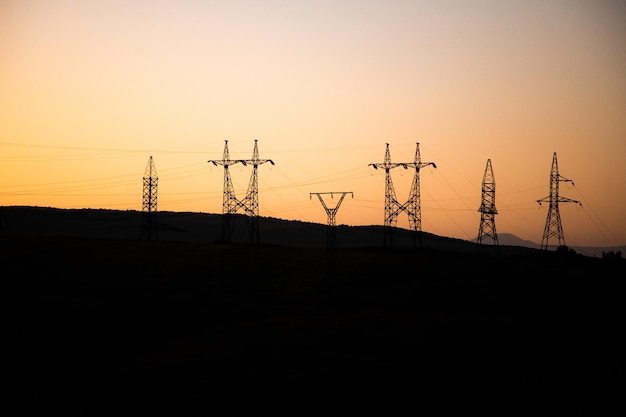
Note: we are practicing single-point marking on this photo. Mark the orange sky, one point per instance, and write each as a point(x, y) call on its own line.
point(90, 90)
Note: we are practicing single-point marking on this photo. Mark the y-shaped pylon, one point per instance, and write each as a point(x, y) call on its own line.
point(331, 233)
point(331, 236)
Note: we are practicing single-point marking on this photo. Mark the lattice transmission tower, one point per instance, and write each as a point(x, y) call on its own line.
point(393, 207)
point(331, 230)
point(553, 226)
point(149, 223)
point(487, 228)
point(249, 204)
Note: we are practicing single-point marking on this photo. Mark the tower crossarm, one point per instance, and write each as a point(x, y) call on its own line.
point(419, 165)
point(255, 161)
point(569, 200)
point(388, 165)
point(225, 161)
point(331, 210)
point(558, 199)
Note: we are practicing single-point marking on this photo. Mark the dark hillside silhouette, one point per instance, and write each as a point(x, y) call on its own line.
point(120, 326)
point(206, 228)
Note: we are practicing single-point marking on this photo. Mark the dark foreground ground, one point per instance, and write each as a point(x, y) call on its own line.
point(104, 327)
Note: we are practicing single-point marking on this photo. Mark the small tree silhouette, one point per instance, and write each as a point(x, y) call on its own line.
point(612, 254)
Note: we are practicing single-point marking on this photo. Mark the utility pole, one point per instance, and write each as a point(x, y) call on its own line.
point(412, 207)
point(250, 203)
point(331, 232)
point(488, 209)
point(553, 226)
point(149, 225)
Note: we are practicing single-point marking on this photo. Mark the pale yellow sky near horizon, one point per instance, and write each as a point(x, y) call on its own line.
point(90, 90)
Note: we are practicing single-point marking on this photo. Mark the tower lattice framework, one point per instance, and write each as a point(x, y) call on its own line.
point(331, 230)
point(487, 228)
point(249, 204)
point(393, 207)
point(149, 223)
point(553, 227)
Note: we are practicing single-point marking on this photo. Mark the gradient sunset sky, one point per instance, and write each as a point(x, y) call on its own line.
point(90, 90)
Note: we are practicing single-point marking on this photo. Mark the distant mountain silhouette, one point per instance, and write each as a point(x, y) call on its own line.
point(512, 240)
point(508, 239)
point(206, 227)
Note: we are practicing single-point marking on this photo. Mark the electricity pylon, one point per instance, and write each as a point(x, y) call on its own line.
point(250, 203)
point(553, 226)
point(487, 209)
point(251, 200)
point(229, 200)
point(149, 224)
point(331, 231)
point(412, 206)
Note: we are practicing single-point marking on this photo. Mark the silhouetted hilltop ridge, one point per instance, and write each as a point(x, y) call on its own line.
point(206, 228)
point(99, 322)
